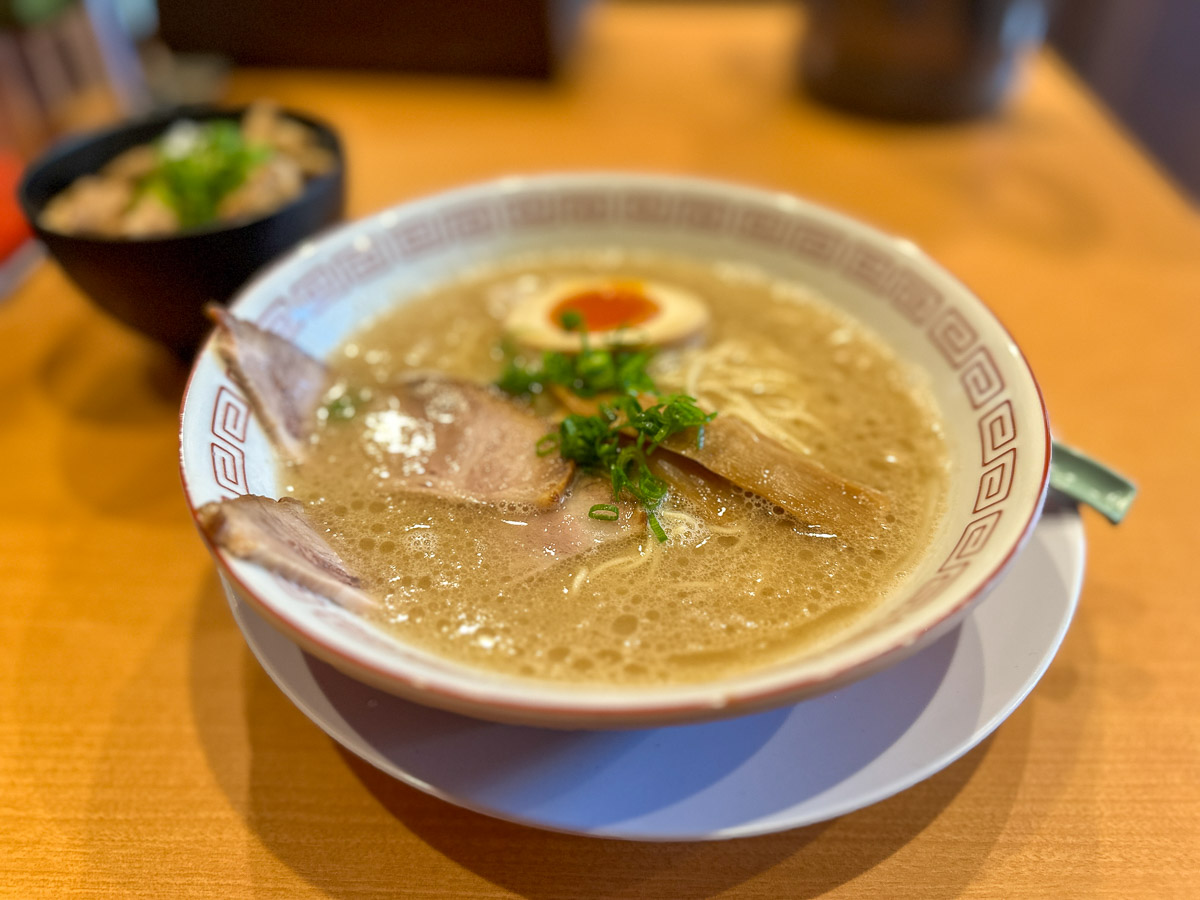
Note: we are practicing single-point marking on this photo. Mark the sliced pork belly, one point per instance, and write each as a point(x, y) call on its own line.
point(544, 538)
point(435, 434)
point(715, 497)
point(738, 453)
point(277, 535)
point(567, 530)
point(763, 466)
point(283, 383)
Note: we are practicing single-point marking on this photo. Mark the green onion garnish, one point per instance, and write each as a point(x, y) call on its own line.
point(617, 441)
point(340, 407)
point(199, 164)
point(605, 512)
point(587, 374)
point(656, 528)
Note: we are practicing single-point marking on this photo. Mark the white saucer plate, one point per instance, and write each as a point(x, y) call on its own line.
point(735, 778)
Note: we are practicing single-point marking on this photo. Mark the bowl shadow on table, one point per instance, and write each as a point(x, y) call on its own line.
point(113, 395)
point(295, 769)
point(542, 865)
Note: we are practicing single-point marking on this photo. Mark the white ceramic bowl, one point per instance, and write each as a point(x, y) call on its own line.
point(996, 421)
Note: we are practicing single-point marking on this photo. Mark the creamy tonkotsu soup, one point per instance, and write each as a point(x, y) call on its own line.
point(739, 583)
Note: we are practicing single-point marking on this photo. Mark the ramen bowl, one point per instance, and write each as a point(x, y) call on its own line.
point(994, 418)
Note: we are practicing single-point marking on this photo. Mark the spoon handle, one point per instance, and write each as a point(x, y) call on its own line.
point(1084, 479)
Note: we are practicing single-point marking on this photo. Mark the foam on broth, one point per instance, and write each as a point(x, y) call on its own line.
point(731, 591)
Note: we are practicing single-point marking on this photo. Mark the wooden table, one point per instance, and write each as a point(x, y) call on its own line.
point(144, 753)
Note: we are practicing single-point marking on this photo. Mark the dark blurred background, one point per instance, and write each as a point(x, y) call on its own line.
point(71, 64)
point(1142, 57)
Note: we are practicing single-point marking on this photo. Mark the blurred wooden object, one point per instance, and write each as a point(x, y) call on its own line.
point(924, 60)
point(144, 753)
point(510, 38)
point(1141, 59)
point(70, 72)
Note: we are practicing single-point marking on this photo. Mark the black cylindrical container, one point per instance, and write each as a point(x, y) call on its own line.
point(918, 59)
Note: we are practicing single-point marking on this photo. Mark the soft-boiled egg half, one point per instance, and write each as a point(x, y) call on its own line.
point(631, 312)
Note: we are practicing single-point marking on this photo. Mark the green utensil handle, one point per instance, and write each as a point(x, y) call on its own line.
point(1084, 479)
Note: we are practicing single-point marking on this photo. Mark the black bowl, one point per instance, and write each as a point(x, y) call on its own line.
point(160, 285)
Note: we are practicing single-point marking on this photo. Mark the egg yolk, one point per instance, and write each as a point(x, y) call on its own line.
point(604, 309)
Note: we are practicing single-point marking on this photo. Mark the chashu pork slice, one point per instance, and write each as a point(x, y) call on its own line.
point(735, 452)
point(763, 466)
point(568, 530)
point(277, 535)
point(283, 384)
point(441, 435)
point(433, 434)
point(565, 532)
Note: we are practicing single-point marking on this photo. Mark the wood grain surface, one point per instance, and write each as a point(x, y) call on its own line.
point(143, 753)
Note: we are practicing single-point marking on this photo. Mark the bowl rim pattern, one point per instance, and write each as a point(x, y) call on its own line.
point(901, 273)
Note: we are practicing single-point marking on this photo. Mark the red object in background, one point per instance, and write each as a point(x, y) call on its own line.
point(14, 230)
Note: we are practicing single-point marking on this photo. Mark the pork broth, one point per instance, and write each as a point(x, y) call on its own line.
point(738, 585)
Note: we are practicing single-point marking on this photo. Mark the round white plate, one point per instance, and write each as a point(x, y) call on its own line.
point(753, 775)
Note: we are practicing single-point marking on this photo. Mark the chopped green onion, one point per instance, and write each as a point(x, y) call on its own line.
point(340, 407)
point(199, 164)
point(516, 380)
point(586, 374)
point(605, 512)
point(618, 440)
point(656, 528)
